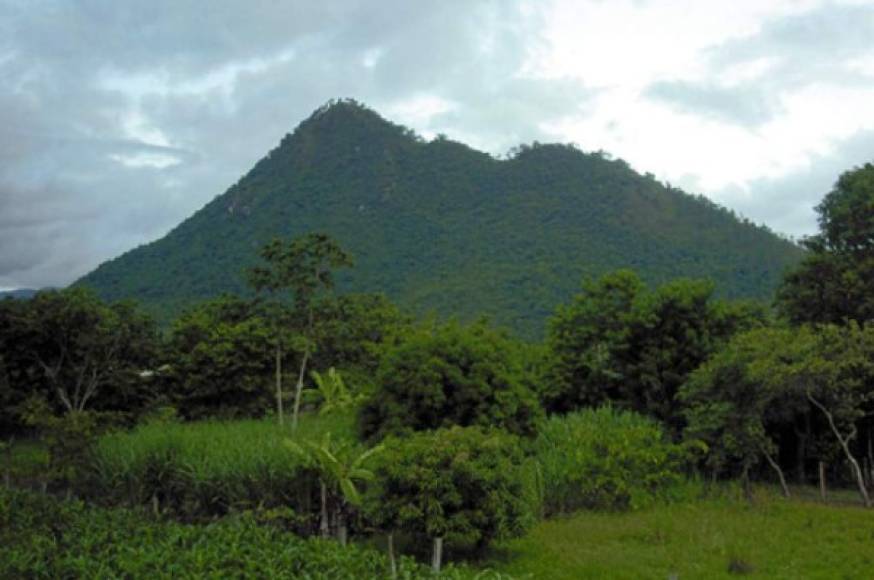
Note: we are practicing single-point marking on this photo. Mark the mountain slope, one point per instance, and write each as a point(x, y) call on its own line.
point(437, 225)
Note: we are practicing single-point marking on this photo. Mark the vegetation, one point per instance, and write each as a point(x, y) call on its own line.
point(41, 537)
point(435, 433)
point(833, 282)
point(449, 375)
point(620, 343)
point(439, 226)
point(461, 485)
point(723, 537)
point(605, 459)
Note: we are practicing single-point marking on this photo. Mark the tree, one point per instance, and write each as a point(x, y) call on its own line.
point(341, 467)
point(835, 281)
point(618, 342)
point(449, 375)
point(733, 411)
point(461, 485)
point(304, 267)
point(80, 348)
point(218, 360)
point(331, 392)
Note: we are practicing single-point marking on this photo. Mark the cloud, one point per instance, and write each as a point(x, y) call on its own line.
point(732, 104)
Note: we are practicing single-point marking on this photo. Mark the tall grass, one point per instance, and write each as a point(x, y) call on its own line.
point(209, 468)
point(605, 459)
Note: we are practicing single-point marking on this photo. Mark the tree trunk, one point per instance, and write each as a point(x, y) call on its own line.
point(822, 488)
point(299, 387)
point(323, 525)
point(279, 382)
point(391, 556)
point(342, 528)
point(779, 471)
point(745, 481)
point(437, 556)
point(845, 445)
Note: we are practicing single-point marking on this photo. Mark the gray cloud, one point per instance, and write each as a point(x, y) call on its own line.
point(814, 47)
point(787, 203)
point(121, 119)
point(748, 106)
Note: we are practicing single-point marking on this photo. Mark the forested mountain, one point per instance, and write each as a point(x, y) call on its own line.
point(439, 226)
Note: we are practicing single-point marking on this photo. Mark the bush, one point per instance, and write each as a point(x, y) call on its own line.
point(41, 537)
point(210, 468)
point(462, 484)
point(450, 375)
point(605, 459)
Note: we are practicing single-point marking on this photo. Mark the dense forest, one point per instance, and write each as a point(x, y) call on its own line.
point(299, 429)
point(438, 226)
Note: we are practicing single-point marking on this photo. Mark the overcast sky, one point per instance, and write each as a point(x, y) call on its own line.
point(118, 119)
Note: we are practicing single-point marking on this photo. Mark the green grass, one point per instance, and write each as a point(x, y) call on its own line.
point(714, 538)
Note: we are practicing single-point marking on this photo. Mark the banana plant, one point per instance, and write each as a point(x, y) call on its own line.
point(341, 468)
point(332, 391)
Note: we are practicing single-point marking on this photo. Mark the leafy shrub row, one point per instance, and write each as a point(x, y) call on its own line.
point(41, 537)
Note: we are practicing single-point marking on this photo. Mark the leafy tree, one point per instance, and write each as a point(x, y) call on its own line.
point(464, 485)
point(218, 360)
point(82, 353)
point(618, 342)
point(729, 408)
point(449, 375)
point(835, 281)
point(304, 267)
point(341, 467)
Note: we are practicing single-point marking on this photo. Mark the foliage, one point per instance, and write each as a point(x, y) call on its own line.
point(619, 342)
point(605, 459)
point(461, 484)
point(834, 281)
point(75, 351)
point(331, 392)
point(341, 467)
point(219, 357)
point(212, 467)
point(731, 409)
point(41, 537)
point(449, 375)
point(441, 227)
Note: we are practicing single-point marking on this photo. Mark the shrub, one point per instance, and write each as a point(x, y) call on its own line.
point(462, 484)
point(605, 459)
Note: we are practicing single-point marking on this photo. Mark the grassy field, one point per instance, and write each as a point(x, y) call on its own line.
point(724, 538)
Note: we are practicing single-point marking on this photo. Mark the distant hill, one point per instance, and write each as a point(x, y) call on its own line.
point(439, 226)
point(18, 293)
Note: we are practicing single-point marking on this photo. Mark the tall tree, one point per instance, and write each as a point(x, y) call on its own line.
point(835, 282)
point(304, 269)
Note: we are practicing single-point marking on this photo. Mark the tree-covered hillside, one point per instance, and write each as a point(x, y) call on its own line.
point(439, 226)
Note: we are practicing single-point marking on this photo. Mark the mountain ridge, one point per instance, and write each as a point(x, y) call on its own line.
point(437, 225)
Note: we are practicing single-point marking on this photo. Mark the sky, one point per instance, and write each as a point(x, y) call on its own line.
point(119, 119)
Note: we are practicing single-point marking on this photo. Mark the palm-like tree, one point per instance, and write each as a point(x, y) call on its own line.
point(340, 466)
point(332, 391)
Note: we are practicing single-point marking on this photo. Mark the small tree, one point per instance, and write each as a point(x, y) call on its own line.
point(461, 485)
point(341, 467)
point(304, 267)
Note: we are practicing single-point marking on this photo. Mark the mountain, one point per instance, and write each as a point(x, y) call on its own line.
point(18, 293)
point(436, 225)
